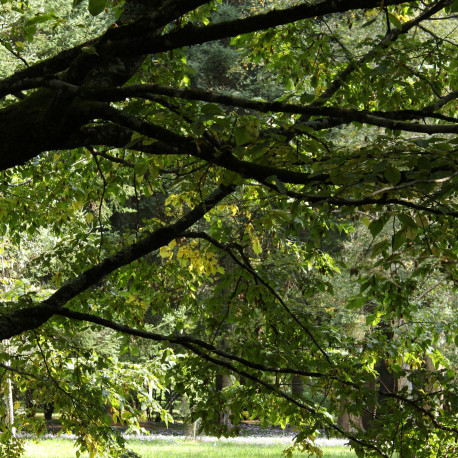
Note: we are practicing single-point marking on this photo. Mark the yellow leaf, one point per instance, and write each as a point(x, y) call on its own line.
point(164, 252)
point(257, 246)
point(366, 221)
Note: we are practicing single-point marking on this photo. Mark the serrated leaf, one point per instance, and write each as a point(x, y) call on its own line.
point(95, 7)
point(393, 175)
point(89, 217)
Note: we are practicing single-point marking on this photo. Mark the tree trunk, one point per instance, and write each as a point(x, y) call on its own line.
point(347, 421)
point(223, 381)
point(48, 410)
point(9, 403)
point(297, 386)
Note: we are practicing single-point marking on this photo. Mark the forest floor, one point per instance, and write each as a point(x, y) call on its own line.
point(249, 432)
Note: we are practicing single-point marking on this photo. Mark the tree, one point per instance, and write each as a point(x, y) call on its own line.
point(249, 198)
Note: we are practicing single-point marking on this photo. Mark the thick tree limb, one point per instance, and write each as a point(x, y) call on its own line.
point(192, 35)
point(118, 137)
point(194, 344)
point(391, 119)
point(27, 318)
point(187, 340)
point(150, 19)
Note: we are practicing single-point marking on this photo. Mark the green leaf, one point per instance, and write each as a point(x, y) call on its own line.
point(376, 227)
point(242, 136)
point(39, 19)
point(395, 21)
point(212, 109)
point(407, 221)
point(356, 302)
point(411, 232)
point(96, 6)
point(454, 7)
point(398, 240)
point(393, 175)
point(89, 50)
point(140, 169)
point(76, 2)
point(368, 23)
point(257, 246)
point(229, 178)
point(373, 319)
point(423, 163)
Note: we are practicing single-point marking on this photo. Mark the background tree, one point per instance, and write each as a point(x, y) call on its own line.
point(244, 200)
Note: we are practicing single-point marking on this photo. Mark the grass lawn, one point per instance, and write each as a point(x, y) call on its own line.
point(50, 448)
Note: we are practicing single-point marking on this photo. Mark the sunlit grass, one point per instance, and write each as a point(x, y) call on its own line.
point(51, 448)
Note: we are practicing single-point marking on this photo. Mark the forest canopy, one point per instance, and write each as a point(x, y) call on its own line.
point(248, 205)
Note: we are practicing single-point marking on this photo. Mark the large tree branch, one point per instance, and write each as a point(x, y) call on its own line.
point(118, 137)
point(196, 346)
point(193, 343)
point(139, 17)
point(171, 143)
point(140, 36)
point(192, 35)
point(46, 119)
point(27, 318)
point(369, 200)
point(184, 340)
point(391, 120)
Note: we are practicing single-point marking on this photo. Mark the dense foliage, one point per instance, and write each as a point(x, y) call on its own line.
point(248, 204)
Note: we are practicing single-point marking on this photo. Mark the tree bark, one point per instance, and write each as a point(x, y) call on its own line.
point(223, 381)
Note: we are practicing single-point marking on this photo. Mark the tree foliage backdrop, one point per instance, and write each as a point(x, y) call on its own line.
point(258, 190)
